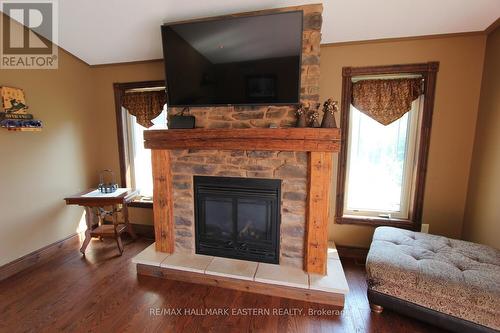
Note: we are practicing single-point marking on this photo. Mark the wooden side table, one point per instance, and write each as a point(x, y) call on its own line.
point(95, 213)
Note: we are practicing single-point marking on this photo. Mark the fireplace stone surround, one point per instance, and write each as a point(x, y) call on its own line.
point(289, 167)
point(304, 226)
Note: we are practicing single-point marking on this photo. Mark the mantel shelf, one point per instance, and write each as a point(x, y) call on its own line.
point(283, 139)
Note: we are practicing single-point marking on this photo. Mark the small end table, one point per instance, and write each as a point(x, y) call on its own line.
point(95, 213)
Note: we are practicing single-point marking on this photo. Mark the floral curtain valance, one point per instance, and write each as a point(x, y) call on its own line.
point(385, 100)
point(145, 105)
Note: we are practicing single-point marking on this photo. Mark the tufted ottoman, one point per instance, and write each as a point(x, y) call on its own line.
point(450, 283)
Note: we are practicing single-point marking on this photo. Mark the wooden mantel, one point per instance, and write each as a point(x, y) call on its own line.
point(321, 143)
point(283, 139)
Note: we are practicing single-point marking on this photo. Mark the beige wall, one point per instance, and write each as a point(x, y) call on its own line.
point(38, 169)
point(457, 96)
point(482, 216)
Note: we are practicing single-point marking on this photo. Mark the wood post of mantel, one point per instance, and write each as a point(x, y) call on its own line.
point(318, 203)
point(162, 201)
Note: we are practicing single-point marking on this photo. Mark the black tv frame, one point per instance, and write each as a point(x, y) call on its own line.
point(224, 18)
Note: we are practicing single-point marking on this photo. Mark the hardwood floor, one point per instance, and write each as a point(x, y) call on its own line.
point(102, 293)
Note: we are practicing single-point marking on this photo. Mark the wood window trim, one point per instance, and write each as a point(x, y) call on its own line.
point(123, 154)
point(429, 73)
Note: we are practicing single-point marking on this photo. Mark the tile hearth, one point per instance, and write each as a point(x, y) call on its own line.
point(187, 262)
point(334, 282)
point(232, 268)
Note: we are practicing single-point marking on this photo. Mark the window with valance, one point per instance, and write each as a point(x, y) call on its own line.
point(386, 99)
point(139, 106)
point(385, 121)
point(145, 105)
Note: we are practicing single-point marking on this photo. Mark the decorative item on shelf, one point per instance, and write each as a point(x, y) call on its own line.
point(301, 116)
point(329, 108)
point(314, 116)
point(21, 124)
point(13, 114)
point(13, 101)
point(107, 186)
point(181, 121)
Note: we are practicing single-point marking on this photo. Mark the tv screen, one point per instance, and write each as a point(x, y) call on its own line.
point(235, 60)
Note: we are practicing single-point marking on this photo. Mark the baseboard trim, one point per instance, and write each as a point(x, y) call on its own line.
point(351, 252)
point(36, 257)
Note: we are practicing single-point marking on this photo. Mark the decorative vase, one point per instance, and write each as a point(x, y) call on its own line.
point(329, 108)
point(314, 117)
point(301, 116)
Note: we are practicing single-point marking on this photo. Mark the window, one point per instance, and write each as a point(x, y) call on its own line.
point(380, 165)
point(139, 158)
point(135, 160)
point(381, 172)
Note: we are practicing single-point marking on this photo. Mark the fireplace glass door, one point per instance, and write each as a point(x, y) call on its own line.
point(238, 217)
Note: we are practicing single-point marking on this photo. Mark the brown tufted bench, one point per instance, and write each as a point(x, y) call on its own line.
point(447, 282)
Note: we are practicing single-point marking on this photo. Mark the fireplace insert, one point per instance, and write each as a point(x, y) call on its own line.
point(238, 217)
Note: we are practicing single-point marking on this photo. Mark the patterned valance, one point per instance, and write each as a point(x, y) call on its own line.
point(145, 105)
point(385, 100)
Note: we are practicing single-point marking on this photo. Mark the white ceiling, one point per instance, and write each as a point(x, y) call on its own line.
point(112, 31)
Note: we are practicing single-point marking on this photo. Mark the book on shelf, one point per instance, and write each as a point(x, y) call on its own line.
point(15, 116)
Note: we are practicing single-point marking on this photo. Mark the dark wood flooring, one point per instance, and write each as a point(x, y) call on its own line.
point(101, 292)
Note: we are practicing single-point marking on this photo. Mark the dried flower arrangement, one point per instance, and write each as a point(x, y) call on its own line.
point(329, 108)
point(301, 116)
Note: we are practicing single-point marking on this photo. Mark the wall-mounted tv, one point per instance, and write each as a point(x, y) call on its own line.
point(243, 60)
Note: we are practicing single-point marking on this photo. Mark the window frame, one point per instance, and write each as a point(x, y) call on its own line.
point(428, 71)
point(121, 130)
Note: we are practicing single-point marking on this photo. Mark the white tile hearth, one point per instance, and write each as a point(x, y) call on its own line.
point(232, 268)
point(187, 262)
point(334, 281)
point(282, 275)
point(150, 256)
point(332, 251)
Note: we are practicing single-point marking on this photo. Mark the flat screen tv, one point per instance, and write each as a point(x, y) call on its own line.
point(234, 61)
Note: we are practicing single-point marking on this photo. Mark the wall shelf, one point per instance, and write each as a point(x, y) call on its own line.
point(23, 129)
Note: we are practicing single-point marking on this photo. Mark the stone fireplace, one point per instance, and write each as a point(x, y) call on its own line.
point(245, 184)
point(300, 159)
point(236, 141)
